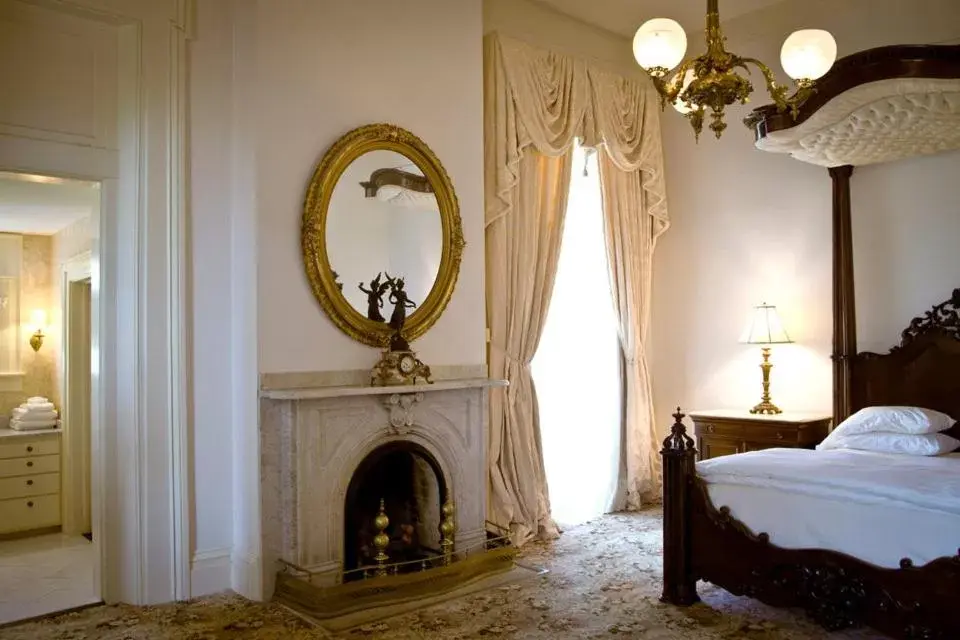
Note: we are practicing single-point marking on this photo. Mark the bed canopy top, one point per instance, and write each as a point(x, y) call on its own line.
point(877, 105)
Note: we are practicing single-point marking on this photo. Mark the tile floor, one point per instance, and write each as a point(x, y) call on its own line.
point(45, 574)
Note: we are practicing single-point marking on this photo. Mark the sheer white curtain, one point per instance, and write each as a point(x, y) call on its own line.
point(577, 365)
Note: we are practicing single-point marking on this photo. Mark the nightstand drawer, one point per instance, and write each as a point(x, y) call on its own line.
point(716, 446)
point(746, 431)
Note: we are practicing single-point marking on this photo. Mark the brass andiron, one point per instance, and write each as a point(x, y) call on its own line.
point(766, 406)
point(447, 529)
point(381, 540)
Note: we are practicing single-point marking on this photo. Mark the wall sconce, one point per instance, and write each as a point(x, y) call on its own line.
point(38, 319)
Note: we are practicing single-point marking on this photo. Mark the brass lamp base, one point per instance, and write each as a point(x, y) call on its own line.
point(766, 406)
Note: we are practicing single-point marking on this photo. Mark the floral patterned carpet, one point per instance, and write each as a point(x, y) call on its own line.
point(603, 582)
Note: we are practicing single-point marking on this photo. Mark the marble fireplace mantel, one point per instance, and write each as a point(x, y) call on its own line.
point(314, 438)
point(311, 393)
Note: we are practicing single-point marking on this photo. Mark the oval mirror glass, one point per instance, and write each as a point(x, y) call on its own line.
point(383, 226)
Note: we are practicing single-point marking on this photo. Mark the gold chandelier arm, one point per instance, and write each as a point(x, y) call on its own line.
point(670, 89)
point(777, 91)
point(804, 89)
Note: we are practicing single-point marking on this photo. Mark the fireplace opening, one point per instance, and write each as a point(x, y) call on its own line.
point(408, 481)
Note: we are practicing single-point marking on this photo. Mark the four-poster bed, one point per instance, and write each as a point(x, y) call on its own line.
point(860, 115)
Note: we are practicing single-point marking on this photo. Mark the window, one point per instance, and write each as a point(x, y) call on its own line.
point(576, 369)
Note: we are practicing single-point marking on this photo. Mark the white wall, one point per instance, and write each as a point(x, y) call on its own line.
point(324, 69)
point(73, 240)
point(906, 229)
point(210, 293)
point(542, 26)
point(749, 226)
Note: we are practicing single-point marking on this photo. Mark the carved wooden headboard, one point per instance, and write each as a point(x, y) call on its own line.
point(922, 371)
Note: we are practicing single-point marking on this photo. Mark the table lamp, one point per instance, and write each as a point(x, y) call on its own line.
point(766, 329)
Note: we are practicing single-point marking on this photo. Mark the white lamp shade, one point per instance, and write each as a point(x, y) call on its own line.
point(679, 104)
point(765, 327)
point(808, 54)
point(660, 42)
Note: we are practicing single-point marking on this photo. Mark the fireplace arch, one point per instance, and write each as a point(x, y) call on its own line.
point(408, 482)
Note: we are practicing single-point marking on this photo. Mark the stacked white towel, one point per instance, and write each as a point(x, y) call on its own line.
point(36, 413)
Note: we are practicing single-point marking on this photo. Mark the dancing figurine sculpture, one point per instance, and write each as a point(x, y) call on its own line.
point(375, 298)
point(401, 303)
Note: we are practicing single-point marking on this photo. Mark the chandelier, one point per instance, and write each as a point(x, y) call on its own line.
point(711, 81)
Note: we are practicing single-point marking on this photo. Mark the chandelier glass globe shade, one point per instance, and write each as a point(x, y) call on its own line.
point(808, 54)
point(660, 42)
point(679, 104)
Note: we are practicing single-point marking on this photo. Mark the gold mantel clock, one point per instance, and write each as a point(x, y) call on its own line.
point(399, 368)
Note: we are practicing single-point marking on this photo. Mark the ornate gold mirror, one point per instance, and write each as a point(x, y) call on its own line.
point(380, 212)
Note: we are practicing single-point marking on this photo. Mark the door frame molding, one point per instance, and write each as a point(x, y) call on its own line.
point(140, 449)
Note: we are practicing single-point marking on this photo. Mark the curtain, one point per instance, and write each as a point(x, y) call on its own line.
point(520, 284)
point(630, 242)
point(536, 102)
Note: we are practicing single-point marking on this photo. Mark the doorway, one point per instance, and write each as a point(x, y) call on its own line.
point(47, 235)
point(77, 394)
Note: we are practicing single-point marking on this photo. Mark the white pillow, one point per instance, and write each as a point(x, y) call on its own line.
point(927, 444)
point(913, 420)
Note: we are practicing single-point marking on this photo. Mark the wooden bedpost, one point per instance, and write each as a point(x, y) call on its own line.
point(844, 316)
point(679, 458)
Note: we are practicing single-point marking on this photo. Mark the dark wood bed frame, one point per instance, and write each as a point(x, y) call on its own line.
point(703, 542)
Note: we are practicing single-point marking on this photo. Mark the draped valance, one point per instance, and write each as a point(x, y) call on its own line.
point(546, 99)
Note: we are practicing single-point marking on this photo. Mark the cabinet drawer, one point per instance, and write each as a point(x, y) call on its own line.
point(772, 433)
point(22, 514)
point(26, 486)
point(29, 466)
point(716, 446)
point(23, 446)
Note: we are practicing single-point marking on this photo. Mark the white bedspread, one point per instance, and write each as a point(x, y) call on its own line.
point(929, 482)
point(879, 508)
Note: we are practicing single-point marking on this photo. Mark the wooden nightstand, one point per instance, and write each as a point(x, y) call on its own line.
point(722, 433)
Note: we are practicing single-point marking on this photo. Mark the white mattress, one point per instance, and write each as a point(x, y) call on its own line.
point(876, 507)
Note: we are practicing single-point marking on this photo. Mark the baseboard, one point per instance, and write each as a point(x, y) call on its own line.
point(209, 572)
point(246, 576)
